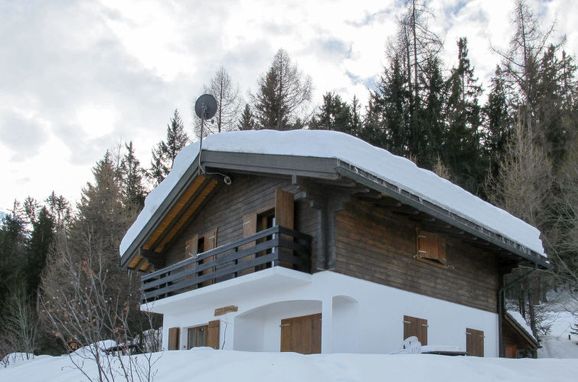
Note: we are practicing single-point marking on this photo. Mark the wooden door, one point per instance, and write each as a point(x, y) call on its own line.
point(209, 242)
point(301, 334)
point(249, 229)
point(474, 342)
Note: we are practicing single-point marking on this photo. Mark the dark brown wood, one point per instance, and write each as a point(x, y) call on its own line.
point(431, 246)
point(213, 334)
point(174, 336)
point(415, 327)
point(474, 342)
point(376, 245)
point(301, 334)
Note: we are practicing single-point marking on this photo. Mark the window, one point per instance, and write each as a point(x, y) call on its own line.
point(474, 342)
point(415, 327)
point(204, 335)
point(431, 247)
point(197, 336)
point(198, 244)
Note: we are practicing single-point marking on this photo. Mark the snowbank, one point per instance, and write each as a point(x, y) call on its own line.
point(330, 144)
point(210, 365)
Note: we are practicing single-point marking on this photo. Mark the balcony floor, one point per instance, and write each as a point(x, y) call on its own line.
point(275, 278)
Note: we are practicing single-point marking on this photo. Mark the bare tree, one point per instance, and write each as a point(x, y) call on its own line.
point(228, 100)
point(85, 305)
point(20, 326)
point(523, 185)
point(283, 95)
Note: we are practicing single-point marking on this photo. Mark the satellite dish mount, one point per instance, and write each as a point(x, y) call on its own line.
point(205, 108)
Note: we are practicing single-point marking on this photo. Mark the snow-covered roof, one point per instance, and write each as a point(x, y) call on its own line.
point(381, 163)
point(521, 321)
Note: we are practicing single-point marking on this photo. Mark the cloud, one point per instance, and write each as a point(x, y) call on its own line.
point(21, 135)
point(80, 77)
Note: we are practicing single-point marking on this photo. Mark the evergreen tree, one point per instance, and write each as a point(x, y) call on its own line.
point(432, 115)
point(356, 123)
point(165, 152)
point(40, 243)
point(333, 114)
point(282, 95)
point(386, 124)
point(132, 180)
point(246, 122)
point(462, 150)
point(497, 122)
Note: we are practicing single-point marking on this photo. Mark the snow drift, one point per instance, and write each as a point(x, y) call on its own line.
point(218, 365)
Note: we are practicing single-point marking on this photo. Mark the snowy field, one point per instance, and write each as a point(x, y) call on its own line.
point(210, 365)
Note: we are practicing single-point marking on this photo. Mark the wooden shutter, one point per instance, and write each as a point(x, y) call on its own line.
point(413, 326)
point(284, 209)
point(174, 335)
point(213, 334)
point(431, 246)
point(474, 342)
point(249, 229)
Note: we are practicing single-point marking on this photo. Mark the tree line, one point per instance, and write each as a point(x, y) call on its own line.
point(512, 141)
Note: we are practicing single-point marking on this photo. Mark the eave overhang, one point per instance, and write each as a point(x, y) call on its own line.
point(312, 167)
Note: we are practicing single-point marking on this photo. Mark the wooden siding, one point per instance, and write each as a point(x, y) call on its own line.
point(225, 210)
point(380, 246)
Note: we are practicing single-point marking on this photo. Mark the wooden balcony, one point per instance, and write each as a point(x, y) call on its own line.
point(276, 246)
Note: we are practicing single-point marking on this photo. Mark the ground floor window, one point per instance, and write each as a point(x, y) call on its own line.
point(197, 336)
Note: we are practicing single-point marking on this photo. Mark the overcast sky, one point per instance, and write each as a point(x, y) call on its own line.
point(78, 77)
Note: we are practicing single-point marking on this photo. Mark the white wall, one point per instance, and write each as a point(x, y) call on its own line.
point(358, 316)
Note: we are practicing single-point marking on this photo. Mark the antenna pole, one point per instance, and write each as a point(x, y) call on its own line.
point(203, 109)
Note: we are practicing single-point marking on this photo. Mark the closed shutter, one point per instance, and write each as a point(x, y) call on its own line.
point(249, 229)
point(415, 327)
point(174, 335)
point(213, 334)
point(474, 342)
point(431, 246)
point(284, 209)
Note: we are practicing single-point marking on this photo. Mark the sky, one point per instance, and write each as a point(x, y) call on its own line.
point(80, 77)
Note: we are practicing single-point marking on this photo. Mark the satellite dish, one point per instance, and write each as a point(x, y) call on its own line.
point(206, 106)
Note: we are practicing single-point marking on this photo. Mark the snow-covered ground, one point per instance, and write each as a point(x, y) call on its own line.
point(559, 343)
point(210, 365)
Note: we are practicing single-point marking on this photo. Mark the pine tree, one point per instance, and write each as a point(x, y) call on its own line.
point(132, 179)
point(386, 124)
point(246, 122)
point(333, 114)
point(462, 151)
point(165, 152)
point(38, 248)
point(282, 95)
point(497, 122)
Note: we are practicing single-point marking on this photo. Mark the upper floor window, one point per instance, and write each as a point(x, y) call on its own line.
point(431, 246)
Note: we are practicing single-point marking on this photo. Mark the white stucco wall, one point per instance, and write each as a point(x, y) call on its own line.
point(357, 315)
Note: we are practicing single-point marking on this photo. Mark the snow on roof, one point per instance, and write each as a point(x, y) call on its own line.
point(521, 321)
point(330, 144)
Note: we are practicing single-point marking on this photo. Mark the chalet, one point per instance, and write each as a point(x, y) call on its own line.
point(317, 242)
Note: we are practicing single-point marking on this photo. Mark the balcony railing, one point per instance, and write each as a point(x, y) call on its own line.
point(268, 248)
